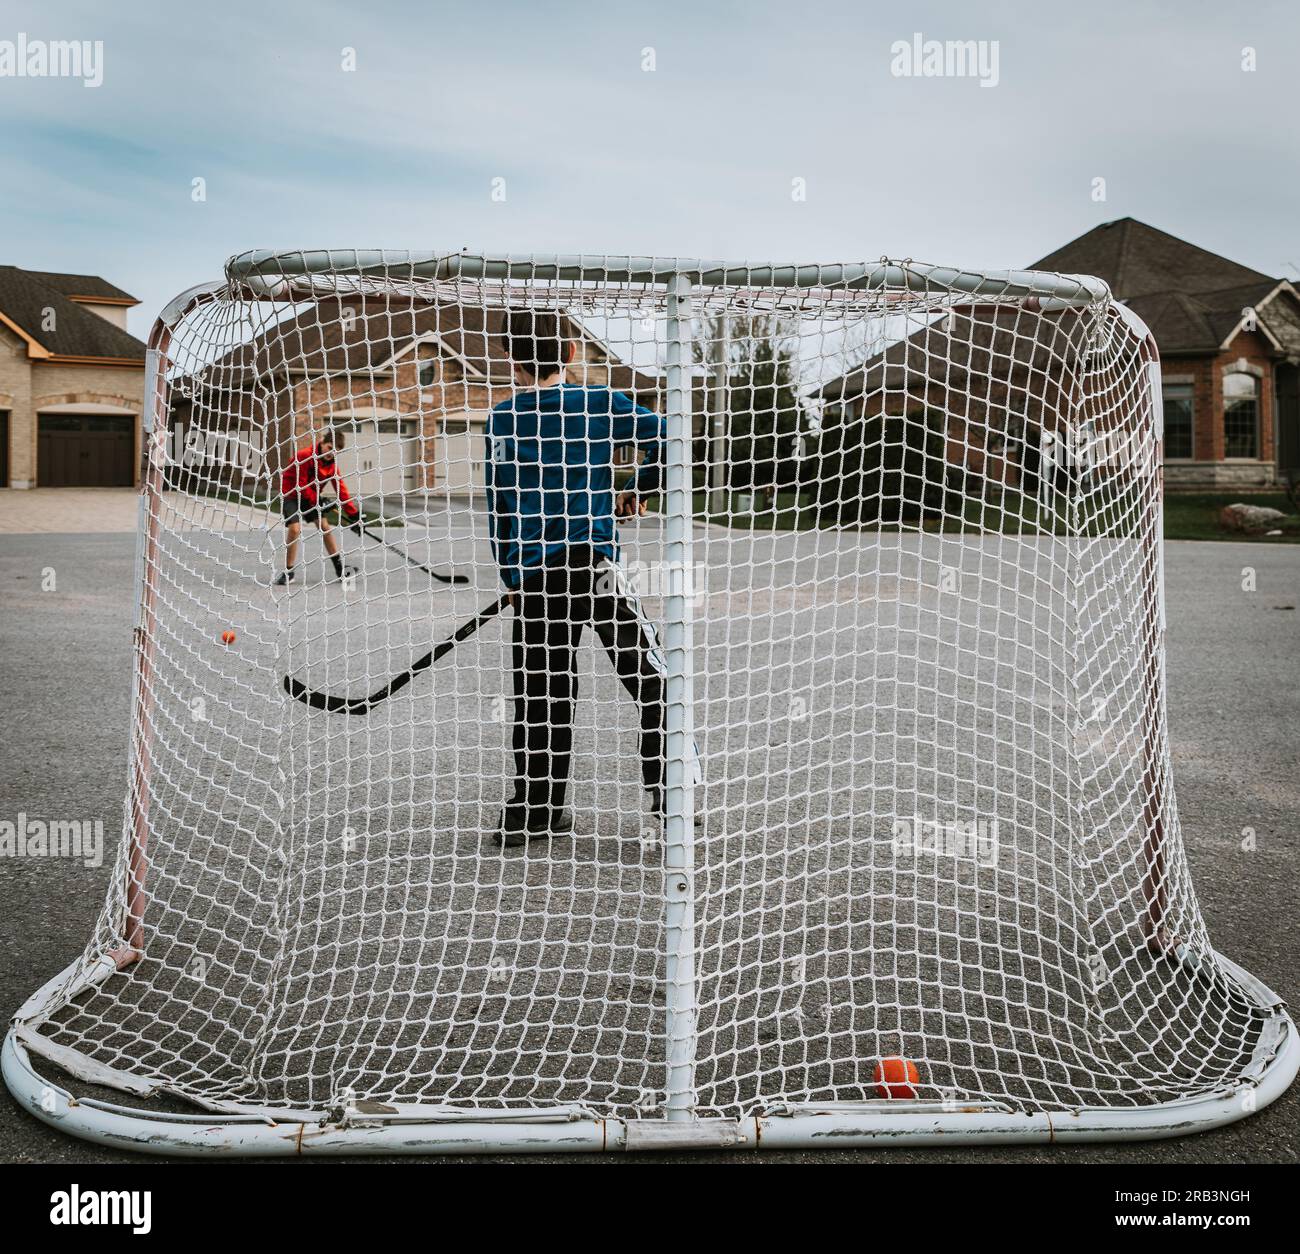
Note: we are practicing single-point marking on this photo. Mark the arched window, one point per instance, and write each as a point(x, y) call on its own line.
point(1240, 415)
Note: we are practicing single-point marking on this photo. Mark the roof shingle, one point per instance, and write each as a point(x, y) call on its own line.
point(1190, 297)
point(1192, 300)
point(84, 286)
point(26, 298)
point(352, 335)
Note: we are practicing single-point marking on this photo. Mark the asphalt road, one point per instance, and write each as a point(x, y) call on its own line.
point(1234, 657)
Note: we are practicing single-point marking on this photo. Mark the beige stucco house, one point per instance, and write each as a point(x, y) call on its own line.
point(71, 382)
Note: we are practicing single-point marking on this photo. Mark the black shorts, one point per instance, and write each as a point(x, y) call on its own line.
point(295, 509)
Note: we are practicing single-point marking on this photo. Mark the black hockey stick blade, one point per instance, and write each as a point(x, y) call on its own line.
point(333, 704)
point(406, 557)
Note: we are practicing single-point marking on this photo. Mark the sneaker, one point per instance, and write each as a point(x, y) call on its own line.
point(518, 827)
point(286, 577)
point(344, 572)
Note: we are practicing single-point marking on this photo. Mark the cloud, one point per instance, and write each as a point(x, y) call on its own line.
point(694, 158)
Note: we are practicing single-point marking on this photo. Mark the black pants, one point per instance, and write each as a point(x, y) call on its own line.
point(555, 605)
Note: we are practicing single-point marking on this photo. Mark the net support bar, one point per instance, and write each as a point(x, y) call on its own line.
point(679, 853)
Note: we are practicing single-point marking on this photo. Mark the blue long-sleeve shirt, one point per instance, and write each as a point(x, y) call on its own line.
point(550, 472)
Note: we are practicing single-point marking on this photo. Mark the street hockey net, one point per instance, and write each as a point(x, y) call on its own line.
point(905, 577)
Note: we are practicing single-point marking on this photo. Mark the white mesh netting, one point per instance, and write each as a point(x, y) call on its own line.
point(925, 682)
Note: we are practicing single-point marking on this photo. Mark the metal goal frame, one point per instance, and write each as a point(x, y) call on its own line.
point(369, 1127)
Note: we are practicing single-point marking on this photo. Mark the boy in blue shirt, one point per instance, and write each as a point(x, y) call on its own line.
point(551, 515)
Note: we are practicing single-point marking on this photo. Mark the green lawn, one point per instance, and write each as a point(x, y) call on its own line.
point(1187, 517)
point(1196, 517)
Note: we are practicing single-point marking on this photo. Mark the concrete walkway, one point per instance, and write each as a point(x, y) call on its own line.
point(81, 511)
point(67, 510)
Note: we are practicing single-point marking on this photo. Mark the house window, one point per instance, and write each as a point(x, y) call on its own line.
point(428, 372)
point(1240, 415)
point(1178, 420)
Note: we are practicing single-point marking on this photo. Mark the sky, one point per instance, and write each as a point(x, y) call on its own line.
point(755, 132)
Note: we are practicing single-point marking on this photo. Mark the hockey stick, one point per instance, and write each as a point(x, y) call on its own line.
point(363, 705)
point(361, 528)
point(406, 557)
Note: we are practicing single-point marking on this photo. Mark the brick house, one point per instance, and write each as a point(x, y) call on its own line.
point(1229, 341)
point(71, 382)
point(405, 391)
point(956, 379)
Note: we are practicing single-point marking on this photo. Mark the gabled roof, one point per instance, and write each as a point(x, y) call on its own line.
point(1003, 355)
point(357, 335)
point(1138, 260)
point(27, 296)
point(1192, 300)
point(86, 287)
point(1190, 297)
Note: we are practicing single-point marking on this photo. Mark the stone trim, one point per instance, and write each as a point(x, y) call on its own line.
point(86, 398)
point(1242, 366)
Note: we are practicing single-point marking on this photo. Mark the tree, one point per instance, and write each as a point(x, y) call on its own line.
point(763, 419)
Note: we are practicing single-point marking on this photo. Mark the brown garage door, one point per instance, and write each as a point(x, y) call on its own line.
point(85, 451)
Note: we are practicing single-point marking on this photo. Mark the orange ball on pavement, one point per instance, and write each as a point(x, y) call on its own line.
point(227, 636)
point(896, 1077)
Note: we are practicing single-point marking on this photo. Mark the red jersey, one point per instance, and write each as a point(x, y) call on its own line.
point(307, 474)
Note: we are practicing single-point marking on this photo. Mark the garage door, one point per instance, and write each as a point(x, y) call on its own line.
point(377, 458)
point(85, 451)
point(461, 454)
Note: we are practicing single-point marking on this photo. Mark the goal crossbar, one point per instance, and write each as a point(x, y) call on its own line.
point(896, 276)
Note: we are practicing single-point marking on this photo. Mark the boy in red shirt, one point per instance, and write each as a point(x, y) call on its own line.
point(312, 471)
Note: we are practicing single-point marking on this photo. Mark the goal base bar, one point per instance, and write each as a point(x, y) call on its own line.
point(405, 1129)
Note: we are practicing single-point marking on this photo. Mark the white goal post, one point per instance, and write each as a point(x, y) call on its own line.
point(862, 731)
